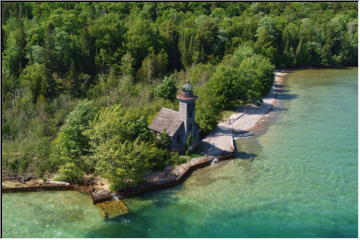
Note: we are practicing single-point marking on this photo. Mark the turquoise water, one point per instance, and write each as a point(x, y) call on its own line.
point(299, 179)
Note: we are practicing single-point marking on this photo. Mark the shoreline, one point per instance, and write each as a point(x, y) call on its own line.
point(253, 117)
point(260, 126)
point(265, 121)
point(248, 120)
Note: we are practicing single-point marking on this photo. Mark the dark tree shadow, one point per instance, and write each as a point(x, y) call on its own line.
point(286, 96)
point(278, 85)
point(277, 91)
point(246, 156)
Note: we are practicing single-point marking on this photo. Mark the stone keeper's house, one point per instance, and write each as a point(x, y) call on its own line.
point(180, 126)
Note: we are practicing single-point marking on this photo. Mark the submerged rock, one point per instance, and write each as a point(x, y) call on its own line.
point(111, 209)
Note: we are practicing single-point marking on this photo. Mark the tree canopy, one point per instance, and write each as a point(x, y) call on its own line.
point(82, 80)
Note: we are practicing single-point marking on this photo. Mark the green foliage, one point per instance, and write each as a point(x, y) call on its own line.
point(71, 144)
point(226, 85)
point(127, 62)
point(123, 149)
point(115, 53)
point(153, 66)
point(163, 141)
point(36, 78)
point(70, 172)
point(246, 77)
point(107, 123)
point(242, 52)
point(124, 164)
point(259, 77)
point(141, 39)
point(167, 89)
point(28, 154)
point(207, 110)
point(116, 121)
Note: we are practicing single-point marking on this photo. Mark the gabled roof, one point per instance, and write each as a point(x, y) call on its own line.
point(167, 120)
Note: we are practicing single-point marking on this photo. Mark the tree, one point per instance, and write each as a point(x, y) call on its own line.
point(153, 66)
point(122, 147)
point(127, 64)
point(107, 123)
point(36, 78)
point(167, 89)
point(71, 143)
point(107, 33)
point(267, 38)
point(290, 38)
point(242, 52)
point(207, 110)
point(57, 54)
point(259, 77)
point(200, 40)
point(226, 85)
point(141, 38)
point(124, 164)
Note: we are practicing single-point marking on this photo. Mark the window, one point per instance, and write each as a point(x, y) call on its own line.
point(190, 113)
point(190, 126)
point(178, 138)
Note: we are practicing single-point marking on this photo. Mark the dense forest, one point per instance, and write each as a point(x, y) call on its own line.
point(82, 80)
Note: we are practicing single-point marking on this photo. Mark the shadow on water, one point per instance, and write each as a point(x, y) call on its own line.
point(286, 96)
point(248, 147)
point(246, 156)
point(278, 85)
point(281, 91)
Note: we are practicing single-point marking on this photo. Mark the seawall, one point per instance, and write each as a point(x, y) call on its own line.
point(169, 177)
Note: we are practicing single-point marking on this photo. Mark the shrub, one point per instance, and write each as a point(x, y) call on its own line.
point(70, 172)
point(167, 89)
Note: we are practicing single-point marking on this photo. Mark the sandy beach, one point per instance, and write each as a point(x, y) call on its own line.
point(243, 123)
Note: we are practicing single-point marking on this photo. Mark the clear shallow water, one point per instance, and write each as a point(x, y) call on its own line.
point(297, 180)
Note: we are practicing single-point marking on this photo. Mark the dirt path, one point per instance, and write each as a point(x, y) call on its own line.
point(220, 140)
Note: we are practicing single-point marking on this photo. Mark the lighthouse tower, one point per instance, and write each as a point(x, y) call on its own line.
point(187, 113)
